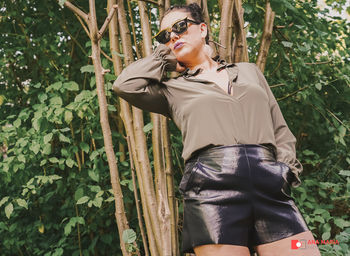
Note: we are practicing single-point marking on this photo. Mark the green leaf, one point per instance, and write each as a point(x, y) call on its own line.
point(129, 236)
point(287, 44)
point(87, 68)
point(148, 127)
point(53, 160)
point(83, 200)
point(94, 176)
point(70, 162)
point(57, 100)
point(97, 202)
point(78, 193)
point(345, 173)
point(318, 86)
point(4, 200)
point(93, 155)
point(319, 219)
point(42, 97)
point(47, 138)
point(111, 108)
point(21, 158)
point(61, 2)
point(17, 123)
point(326, 235)
point(341, 223)
point(342, 131)
point(22, 203)
point(9, 210)
point(85, 147)
point(63, 138)
point(35, 147)
point(71, 86)
point(68, 116)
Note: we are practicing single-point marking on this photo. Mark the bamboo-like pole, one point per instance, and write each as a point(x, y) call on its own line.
point(193, 1)
point(118, 66)
point(207, 21)
point(169, 172)
point(137, 203)
point(240, 49)
point(225, 35)
point(134, 128)
point(265, 41)
point(95, 36)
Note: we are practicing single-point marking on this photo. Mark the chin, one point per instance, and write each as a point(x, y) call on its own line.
point(185, 54)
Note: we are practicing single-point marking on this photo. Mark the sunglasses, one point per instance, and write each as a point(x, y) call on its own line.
point(178, 28)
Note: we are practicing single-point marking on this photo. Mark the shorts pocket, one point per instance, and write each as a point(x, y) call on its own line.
point(190, 170)
point(288, 177)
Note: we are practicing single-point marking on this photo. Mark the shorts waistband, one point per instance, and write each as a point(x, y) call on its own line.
point(265, 150)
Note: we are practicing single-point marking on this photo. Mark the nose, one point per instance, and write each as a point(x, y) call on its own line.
point(173, 36)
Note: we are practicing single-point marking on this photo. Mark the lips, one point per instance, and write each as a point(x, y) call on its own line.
point(178, 45)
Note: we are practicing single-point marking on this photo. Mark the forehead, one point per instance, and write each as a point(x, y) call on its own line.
point(172, 17)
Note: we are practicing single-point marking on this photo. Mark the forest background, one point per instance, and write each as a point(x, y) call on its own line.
point(71, 184)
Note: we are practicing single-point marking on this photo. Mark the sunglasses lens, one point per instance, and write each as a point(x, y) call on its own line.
point(163, 37)
point(180, 27)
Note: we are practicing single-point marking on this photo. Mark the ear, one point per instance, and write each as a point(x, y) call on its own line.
point(204, 30)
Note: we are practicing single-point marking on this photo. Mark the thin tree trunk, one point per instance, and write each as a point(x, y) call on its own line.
point(95, 36)
point(207, 21)
point(193, 1)
point(240, 49)
point(160, 180)
point(225, 31)
point(142, 164)
point(265, 41)
point(117, 64)
point(169, 172)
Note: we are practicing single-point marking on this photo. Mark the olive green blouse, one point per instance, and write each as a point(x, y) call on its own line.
point(247, 113)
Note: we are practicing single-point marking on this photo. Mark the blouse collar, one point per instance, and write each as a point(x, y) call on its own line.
point(232, 69)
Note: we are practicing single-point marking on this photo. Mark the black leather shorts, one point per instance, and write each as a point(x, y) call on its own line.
point(238, 195)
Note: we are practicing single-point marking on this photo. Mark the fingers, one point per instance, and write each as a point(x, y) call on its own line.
point(180, 68)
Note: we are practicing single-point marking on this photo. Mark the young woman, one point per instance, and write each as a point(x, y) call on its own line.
point(240, 160)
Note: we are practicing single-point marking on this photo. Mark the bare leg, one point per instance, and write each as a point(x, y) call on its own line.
point(283, 247)
point(222, 250)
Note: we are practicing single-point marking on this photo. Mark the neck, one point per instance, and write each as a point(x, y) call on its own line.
point(202, 61)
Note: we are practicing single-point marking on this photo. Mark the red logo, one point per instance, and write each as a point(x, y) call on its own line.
point(297, 244)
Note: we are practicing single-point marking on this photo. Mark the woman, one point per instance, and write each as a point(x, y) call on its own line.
point(240, 160)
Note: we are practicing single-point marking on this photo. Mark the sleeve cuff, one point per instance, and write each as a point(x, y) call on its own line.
point(167, 57)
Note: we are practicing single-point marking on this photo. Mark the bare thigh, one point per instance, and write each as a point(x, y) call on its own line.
point(222, 250)
point(283, 247)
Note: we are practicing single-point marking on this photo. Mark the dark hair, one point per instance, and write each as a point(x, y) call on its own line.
point(194, 10)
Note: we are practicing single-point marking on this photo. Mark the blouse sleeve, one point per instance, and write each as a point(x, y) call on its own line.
point(285, 140)
point(140, 82)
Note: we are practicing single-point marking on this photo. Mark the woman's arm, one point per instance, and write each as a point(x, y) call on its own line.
point(140, 82)
point(285, 140)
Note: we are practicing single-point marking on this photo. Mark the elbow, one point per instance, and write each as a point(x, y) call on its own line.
point(117, 86)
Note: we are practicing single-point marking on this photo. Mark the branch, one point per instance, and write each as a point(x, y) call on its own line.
point(77, 11)
point(107, 21)
point(83, 25)
point(293, 93)
point(330, 112)
point(319, 63)
point(147, 1)
point(265, 40)
point(291, 24)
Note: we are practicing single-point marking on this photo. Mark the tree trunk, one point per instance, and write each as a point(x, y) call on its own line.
point(265, 40)
point(240, 49)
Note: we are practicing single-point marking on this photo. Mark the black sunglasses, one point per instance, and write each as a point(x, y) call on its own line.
point(178, 28)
